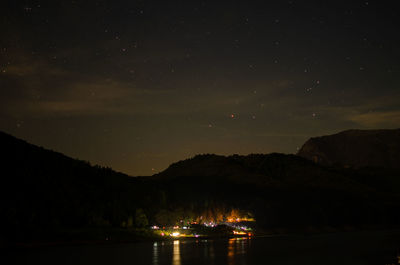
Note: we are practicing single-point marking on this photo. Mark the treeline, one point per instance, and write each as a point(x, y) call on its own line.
point(44, 192)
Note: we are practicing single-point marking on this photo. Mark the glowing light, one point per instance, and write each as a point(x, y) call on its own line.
point(175, 234)
point(239, 233)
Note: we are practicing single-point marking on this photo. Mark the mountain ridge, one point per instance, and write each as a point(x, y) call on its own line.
point(44, 191)
point(355, 148)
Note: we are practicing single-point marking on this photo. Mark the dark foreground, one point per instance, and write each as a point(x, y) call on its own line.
point(353, 248)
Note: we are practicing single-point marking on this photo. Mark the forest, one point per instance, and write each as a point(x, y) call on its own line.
point(45, 193)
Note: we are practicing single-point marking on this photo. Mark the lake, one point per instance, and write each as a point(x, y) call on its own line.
point(353, 248)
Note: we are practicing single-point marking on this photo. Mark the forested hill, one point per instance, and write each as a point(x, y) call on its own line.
point(44, 191)
point(261, 170)
point(286, 190)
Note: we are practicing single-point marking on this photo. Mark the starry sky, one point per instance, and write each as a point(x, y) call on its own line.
point(137, 85)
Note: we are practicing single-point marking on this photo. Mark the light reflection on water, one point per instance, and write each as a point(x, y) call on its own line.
point(242, 251)
point(356, 248)
point(235, 247)
point(155, 253)
point(158, 255)
point(231, 251)
point(176, 254)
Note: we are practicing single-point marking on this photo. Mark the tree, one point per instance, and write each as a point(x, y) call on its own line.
point(141, 218)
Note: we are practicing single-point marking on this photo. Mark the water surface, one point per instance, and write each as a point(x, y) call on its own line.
point(353, 248)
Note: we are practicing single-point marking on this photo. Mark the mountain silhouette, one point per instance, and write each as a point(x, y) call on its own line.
point(44, 193)
point(355, 148)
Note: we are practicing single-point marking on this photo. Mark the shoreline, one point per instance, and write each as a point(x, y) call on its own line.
point(140, 238)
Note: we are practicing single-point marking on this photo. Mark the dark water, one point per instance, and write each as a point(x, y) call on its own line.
point(344, 248)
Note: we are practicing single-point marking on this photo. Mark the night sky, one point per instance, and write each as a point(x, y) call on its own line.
point(137, 85)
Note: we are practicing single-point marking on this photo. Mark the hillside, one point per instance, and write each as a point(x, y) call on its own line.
point(44, 192)
point(263, 170)
point(283, 190)
point(355, 148)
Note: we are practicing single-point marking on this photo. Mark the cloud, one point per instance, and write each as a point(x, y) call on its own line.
point(380, 119)
point(40, 87)
point(88, 98)
point(30, 68)
point(379, 112)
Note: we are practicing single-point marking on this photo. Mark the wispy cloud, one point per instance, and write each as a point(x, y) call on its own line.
point(93, 98)
point(380, 119)
point(383, 112)
point(30, 68)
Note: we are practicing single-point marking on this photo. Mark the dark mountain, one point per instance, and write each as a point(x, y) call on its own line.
point(265, 171)
point(355, 148)
point(44, 192)
point(279, 187)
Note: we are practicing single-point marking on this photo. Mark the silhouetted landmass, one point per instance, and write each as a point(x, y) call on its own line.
point(355, 148)
point(286, 190)
point(44, 193)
